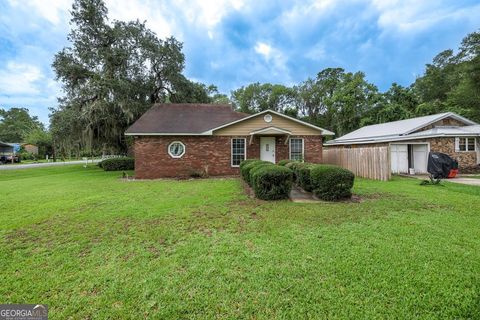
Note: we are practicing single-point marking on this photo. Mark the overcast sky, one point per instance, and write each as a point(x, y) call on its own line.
point(236, 42)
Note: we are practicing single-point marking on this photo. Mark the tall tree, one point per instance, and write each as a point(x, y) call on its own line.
point(111, 74)
point(16, 124)
point(336, 99)
point(450, 82)
point(398, 103)
point(354, 98)
point(258, 97)
point(315, 96)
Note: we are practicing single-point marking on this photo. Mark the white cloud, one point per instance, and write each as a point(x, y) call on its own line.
point(303, 12)
point(273, 56)
point(208, 12)
point(20, 78)
point(263, 49)
point(52, 10)
point(416, 16)
point(155, 13)
point(317, 52)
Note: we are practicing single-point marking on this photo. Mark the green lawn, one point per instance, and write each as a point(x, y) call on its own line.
point(94, 247)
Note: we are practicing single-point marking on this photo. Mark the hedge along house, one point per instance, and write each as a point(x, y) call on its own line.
point(181, 140)
point(411, 140)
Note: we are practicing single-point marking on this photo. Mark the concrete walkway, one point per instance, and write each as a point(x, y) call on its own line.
point(46, 164)
point(298, 195)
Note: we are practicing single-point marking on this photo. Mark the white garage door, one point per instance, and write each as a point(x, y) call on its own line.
point(420, 157)
point(399, 155)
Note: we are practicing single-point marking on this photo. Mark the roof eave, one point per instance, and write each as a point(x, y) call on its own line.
point(207, 133)
point(446, 115)
point(401, 138)
point(322, 131)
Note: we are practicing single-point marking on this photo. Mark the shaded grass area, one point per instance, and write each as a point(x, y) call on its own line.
point(93, 246)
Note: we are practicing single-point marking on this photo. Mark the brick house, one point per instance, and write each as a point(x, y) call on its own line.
point(182, 140)
point(411, 140)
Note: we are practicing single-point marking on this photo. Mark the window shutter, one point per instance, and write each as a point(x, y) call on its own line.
point(457, 144)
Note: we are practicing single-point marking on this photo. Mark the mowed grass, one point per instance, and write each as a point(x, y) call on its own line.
point(94, 247)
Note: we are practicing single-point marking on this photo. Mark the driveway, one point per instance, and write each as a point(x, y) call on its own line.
point(459, 179)
point(465, 180)
point(48, 164)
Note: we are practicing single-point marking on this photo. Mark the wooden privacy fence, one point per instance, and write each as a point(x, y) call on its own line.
point(367, 162)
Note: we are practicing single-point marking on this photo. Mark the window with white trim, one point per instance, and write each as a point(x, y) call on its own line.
point(296, 149)
point(176, 149)
point(465, 144)
point(238, 151)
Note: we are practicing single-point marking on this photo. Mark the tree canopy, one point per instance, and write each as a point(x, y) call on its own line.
point(16, 124)
point(344, 101)
point(112, 72)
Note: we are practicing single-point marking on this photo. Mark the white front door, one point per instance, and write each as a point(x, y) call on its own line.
point(399, 155)
point(420, 157)
point(267, 149)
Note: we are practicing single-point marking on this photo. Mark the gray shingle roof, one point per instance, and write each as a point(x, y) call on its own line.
point(185, 118)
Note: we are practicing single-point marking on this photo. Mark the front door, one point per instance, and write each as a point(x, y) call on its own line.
point(267, 149)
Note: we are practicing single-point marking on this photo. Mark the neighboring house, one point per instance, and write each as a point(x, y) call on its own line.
point(411, 140)
point(7, 152)
point(6, 148)
point(181, 140)
point(30, 148)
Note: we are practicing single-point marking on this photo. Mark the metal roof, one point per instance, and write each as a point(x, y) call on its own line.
point(405, 129)
point(4, 144)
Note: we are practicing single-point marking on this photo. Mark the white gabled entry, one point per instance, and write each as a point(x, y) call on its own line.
point(399, 156)
point(267, 149)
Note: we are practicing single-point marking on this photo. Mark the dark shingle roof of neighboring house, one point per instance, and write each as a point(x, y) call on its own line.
point(185, 118)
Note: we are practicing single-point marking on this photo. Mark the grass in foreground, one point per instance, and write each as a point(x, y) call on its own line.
point(93, 246)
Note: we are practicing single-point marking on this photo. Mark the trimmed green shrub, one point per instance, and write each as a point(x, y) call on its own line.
point(297, 167)
point(294, 167)
point(271, 182)
point(256, 166)
point(303, 178)
point(247, 161)
point(117, 164)
point(284, 162)
point(331, 183)
point(245, 169)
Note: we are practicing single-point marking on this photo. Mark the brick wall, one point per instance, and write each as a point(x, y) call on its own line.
point(447, 145)
point(211, 154)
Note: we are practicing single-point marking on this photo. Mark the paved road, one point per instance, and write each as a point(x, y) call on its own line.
point(39, 165)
